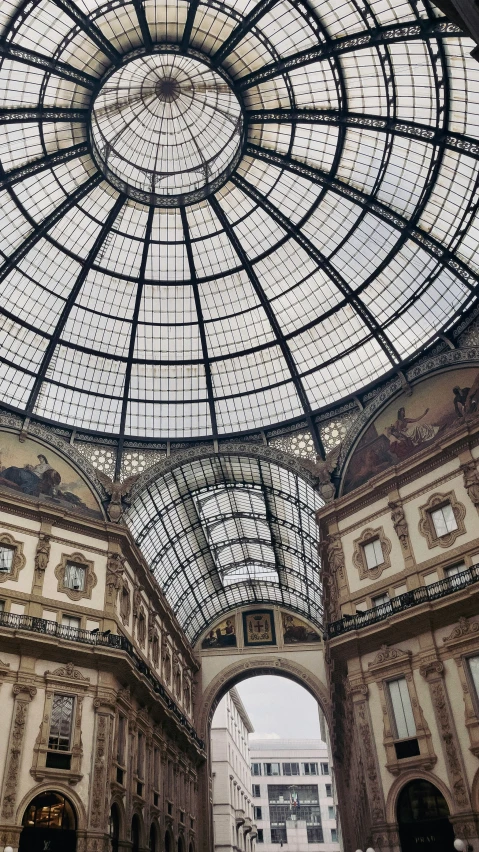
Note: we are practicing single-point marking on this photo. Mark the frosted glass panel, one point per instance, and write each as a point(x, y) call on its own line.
point(444, 520)
point(373, 553)
point(402, 709)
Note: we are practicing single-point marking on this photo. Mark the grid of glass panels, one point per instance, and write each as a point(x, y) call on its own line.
point(344, 241)
point(223, 532)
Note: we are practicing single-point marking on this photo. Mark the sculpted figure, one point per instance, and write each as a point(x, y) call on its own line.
point(471, 482)
point(42, 553)
point(399, 523)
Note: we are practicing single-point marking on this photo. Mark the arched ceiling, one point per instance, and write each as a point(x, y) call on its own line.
point(219, 215)
point(224, 531)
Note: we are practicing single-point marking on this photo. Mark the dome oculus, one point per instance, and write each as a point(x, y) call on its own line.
point(166, 129)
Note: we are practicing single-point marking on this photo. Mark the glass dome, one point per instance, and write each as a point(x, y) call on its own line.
point(221, 216)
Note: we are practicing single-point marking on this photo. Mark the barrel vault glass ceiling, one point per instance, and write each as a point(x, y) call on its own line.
point(219, 215)
point(219, 533)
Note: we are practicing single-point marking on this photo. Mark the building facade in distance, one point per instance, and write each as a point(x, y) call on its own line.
point(292, 791)
point(232, 802)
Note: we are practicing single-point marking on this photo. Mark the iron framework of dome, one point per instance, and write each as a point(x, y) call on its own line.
point(333, 236)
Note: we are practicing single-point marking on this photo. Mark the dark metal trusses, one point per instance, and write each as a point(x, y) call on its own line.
point(72, 296)
point(139, 6)
point(399, 127)
point(350, 296)
point(37, 166)
point(91, 29)
point(255, 283)
point(439, 251)
point(241, 29)
point(201, 322)
point(387, 34)
point(46, 63)
point(42, 114)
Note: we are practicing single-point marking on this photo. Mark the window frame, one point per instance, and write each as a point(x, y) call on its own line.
point(90, 578)
point(308, 773)
point(426, 524)
point(368, 536)
point(390, 701)
point(18, 558)
point(58, 747)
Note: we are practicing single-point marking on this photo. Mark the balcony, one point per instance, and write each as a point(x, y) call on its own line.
point(112, 641)
point(424, 594)
point(247, 825)
point(239, 817)
point(254, 831)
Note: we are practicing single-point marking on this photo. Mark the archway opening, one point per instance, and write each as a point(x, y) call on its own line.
point(114, 828)
point(49, 822)
point(167, 842)
point(423, 818)
point(181, 846)
point(270, 760)
point(135, 833)
point(153, 845)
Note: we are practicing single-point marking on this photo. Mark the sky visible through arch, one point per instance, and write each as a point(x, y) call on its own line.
point(279, 708)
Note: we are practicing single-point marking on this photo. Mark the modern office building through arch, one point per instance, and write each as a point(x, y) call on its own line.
point(239, 275)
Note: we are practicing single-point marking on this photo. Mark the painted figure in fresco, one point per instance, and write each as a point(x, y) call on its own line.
point(39, 480)
point(409, 430)
point(295, 630)
point(223, 636)
point(465, 401)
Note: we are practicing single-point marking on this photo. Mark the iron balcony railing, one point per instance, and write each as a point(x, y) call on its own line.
point(423, 594)
point(105, 640)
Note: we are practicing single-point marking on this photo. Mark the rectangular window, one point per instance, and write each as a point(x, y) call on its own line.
point(71, 621)
point(258, 814)
point(61, 723)
point(334, 835)
point(331, 812)
point(120, 746)
point(314, 834)
point(329, 790)
point(259, 838)
point(256, 791)
point(256, 768)
point(444, 520)
point(310, 768)
point(290, 768)
point(75, 576)
point(271, 769)
point(473, 663)
point(402, 708)
point(278, 835)
point(373, 553)
point(6, 558)
point(325, 769)
point(140, 755)
point(2, 606)
point(452, 570)
point(156, 769)
point(379, 600)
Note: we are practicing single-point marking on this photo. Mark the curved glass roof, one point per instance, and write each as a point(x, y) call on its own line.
point(225, 531)
point(335, 234)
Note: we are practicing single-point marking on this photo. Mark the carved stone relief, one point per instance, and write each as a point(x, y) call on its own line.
point(433, 672)
point(426, 525)
point(359, 556)
point(18, 561)
point(23, 694)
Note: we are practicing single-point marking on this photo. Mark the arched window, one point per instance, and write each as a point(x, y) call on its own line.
point(167, 842)
point(135, 833)
point(422, 814)
point(114, 828)
point(49, 822)
point(181, 846)
point(153, 847)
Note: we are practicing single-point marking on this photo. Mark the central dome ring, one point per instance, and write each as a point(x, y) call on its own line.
point(166, 128)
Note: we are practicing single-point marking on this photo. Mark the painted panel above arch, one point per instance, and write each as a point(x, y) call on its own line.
point(34, 469)
point(413, 422)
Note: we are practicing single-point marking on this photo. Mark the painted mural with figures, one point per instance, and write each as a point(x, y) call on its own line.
point(411, 423)
point(30, 468)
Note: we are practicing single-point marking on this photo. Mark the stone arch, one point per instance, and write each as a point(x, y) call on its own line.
point(403, 779)
point(168, 840)
point(274, 665)
point(257, 451)
point(56, 787)
point(475, 792)
point(138, 816)
point(116, 800)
